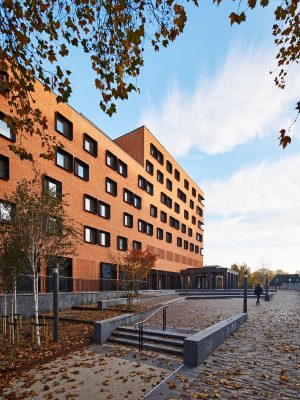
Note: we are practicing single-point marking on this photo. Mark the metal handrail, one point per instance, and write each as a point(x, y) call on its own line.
point(141, 324)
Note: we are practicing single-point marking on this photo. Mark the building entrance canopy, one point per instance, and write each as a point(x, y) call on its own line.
point(209, 277)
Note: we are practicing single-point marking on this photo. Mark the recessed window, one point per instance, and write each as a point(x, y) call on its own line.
point(153, 211)
point(181, 195)
point(183, 228)
point(52, 187)
point(190, 232)
point(169, 237)
point(199, 211)
point(136, 245)
point(192, 205)
point(5, 130)
point(54, 226)
point(111, 187)
point(201, 251)
point(122, 168)
point(169, 167)
point(149, 229)
point(64, 160)
point(149, 167)
point(193, 192)
point(128, 196)
point(192, 247)
point(90, 235)
point(128, 220)
point(160, 176)
point(4, 167)
point(174, 223)
point(149, 188)
point(179, 242)
point(200, 198)
point(193, 220)
point(177, 208)
point(163, 216)
point(166, 200)
point(4, 81)
point(90, 204)
point(186, 214)
point(177, 175)
point(141, 182)
point(63, 126)
point(104, 238)
point(156, 154)
point(142, 226)
point(186, 184)
point(111, 160)
point(200, 225)
point(137, 202)
point(160, 234)
point(186, 245)
point(103, 210)
point(122, 243)
point(169, 184)
point(81, 169)
point(197, 249)
point(199, 237)
point(90, 145)
point(5, 211)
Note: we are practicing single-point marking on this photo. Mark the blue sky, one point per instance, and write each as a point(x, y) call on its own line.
point(209, 98)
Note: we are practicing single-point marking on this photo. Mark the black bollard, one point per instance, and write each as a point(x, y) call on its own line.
point(55, 305)
point(267, 288)
point(245, 291)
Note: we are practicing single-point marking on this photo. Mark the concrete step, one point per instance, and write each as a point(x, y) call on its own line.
point(147, 338)
point(155, 332)
point(147, 345)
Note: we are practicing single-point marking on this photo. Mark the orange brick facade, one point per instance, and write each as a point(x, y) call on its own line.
point(134, 149)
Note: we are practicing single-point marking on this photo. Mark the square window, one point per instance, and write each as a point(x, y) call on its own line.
point(149, 167)
point(90, 204)
point(153, 211)
point(128, 220)
point(103, 209)
point(104, 238)
point(90, 145)
point(90, 235)
point(136, 245)
point(4, 167)
point(160, 176)
point(111, 187)
point(111, 160)
point(160, 234)
point(169, 237)
point(52, 187)
point(81, 169)
point(122, 243)
point(137, 202)
point(5, 130)
point(63, 126)
point(64, 160)
point(5, 211)
point(122, 168)
point(128, 196)
point(163, 216)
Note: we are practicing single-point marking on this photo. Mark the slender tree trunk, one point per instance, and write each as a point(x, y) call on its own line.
point(5, 312)
point(36, 308)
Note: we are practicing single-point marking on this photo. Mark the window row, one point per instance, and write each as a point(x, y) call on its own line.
point(95, 206)
point(156, 154)
point(166, 200)
point(66, 161)
point(95, 236)
point(145, 185)
point(116, 164)
point(132, 199)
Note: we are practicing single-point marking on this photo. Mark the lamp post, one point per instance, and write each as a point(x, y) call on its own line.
point(267, 288)
point(245, 290)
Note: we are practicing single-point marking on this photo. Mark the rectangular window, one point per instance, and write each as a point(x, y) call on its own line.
point(142, 182)
point(200, 198)
point(4, 83)
point(200, 225)
point(103, 209)
point(137, 202)
point(186, 245)
point(111, 187)
point(192, 206)
point(54, 226)
point(90, 235)
point(4, 167)
point(149, 188)
point(197, 249)
point(149, 167)
point(141, 226)
point(163, 216)
point(90, 204)
point(177, 175)
point(153, 211)
point(199, 237)
point(5, 130)
point(156, 154)
point(179, 242)
point(149, 229)
point(183, 228)
point(169, 184)
point(136, 245)
point(177, 208)
point(166, 200)
point(193, 220)
point(128, 220)
point(122, 168)
point(186, 184)
point(193, 192)
point(169, 237)
point(181, 195)
point(160, 234)
point(104, 238)
point(5, 211)
point(52, 187)
point(169, 167)
point(160, 176)
point(81, 169)
point(64, 160)
point(63, 126)
point(199, 211)
point(192, 247)
point(111, 160)
point(90, 145)
point(174, 222)
point(186, 214)
point(122, 243)
point(190, 232)
point(128, 196)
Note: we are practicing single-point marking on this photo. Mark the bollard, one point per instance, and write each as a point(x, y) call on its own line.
point(245, 291)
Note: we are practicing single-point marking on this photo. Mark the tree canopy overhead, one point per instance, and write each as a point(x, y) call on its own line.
point(36, 35)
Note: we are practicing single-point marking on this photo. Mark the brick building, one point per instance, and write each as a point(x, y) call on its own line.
point(125, 193)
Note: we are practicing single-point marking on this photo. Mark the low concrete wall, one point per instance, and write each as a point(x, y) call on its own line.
point(103, 329)
point(198, 347)
point(104, 304)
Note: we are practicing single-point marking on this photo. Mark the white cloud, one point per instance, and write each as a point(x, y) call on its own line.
point(255, 214)
point(240, 102)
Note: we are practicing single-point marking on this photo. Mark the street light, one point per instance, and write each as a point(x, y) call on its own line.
point(267, 288)
point(245, 290)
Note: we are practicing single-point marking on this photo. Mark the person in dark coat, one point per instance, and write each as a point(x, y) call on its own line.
point(258, 291)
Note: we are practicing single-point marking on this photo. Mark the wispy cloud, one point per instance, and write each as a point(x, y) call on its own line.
point(255, 214)
point(236, 104)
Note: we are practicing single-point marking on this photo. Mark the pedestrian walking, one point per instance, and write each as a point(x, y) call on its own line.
point(258, 291)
